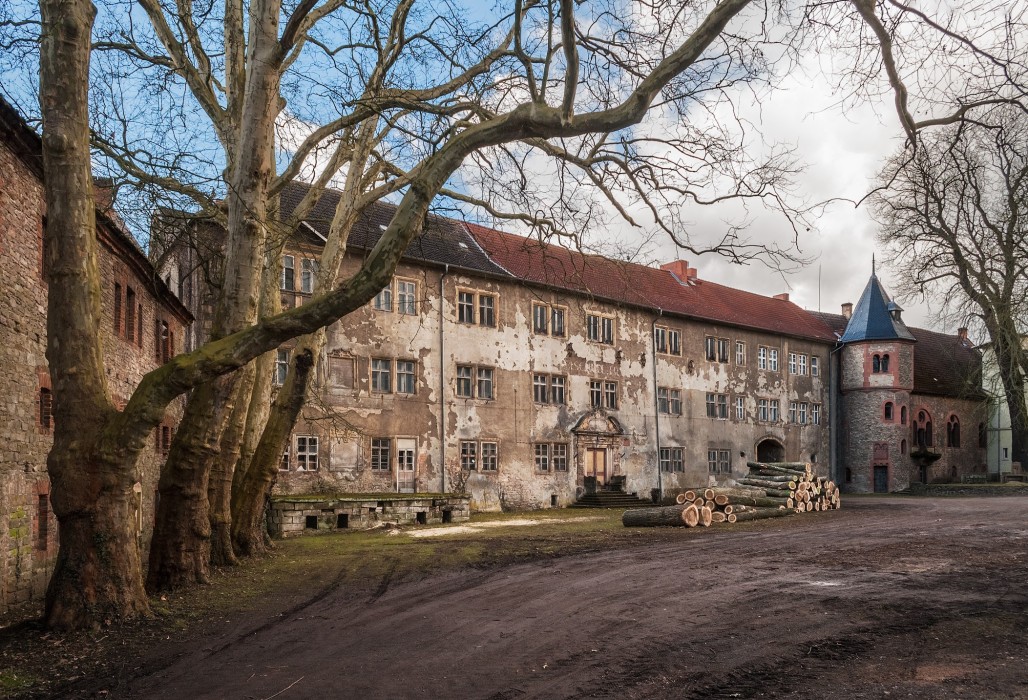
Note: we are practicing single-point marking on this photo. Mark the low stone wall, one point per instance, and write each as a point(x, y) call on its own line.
point(294, 515)
point(990, 489)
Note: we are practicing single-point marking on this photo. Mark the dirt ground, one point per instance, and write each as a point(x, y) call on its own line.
point(889, 597)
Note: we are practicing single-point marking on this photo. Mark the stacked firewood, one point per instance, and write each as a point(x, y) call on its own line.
point(770, 490)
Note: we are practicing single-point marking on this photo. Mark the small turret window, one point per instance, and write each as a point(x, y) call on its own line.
point(903, 415)
point(885, 363)
point(876, 364)
point(888, 410)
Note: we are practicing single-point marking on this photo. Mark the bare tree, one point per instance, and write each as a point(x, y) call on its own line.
point(954, 215)
point(544, 81)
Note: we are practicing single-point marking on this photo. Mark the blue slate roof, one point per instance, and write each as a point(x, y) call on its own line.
point(872, 318)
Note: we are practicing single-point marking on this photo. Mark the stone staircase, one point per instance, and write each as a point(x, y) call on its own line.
point(610, 499)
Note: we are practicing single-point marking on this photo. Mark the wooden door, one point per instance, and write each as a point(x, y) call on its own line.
point(596, 464)
point(881, 479)
point(406, 449)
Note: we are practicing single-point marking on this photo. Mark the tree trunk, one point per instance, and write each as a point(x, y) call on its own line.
point(249, 499)
point(219, 487)
point(98, 575)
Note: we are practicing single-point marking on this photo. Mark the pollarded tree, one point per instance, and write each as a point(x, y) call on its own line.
point(954, 215)
point(571, 88)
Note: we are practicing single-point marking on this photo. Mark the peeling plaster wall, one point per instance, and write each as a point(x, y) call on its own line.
point(516, 423)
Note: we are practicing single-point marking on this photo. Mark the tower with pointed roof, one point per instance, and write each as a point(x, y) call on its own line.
point(876, 379)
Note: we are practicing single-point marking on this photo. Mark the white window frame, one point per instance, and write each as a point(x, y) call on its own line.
point(407, 297)
point(281, 366)
point(307, 453)
point(288, 273)
point(308, 273)
point(740, 353)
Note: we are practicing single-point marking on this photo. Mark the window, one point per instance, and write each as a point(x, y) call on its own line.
point(560, 456)
point(384, 299)
point(722, 350)
point(130, 314)
point(381, 376)
point(603, 394)
point(540, 388)
point(542, 457)
point(674, 342)
point(287, 282)
point(740, 408)
point(903, 415)
point(922, 430)
point(885, 363)
point(557, 393)
point(465, 307)
point(600, 328)
point(815, 413)
point(667, 340)
point(815, 368)
point(719, 461)
point(283, 464)
point(671, 459)
point(803, 412)
point(46, 409)
point(953, 432)
point(669, 401)
point(163, 341)
point(762, 410)
point(717, 406)
point(406, 298)
point(405, 377)
point(489, 457)
point(660, 339)
point(468, 455)
point(710, 348)
point(803, 365)
point(474, 382)
point(464, 385)
point(485, 383)
point(740, 353)
point(888, 410)
point(772, 359)
point(306, 453)
point(557, 326)
point(381, 454)
point(117, 308)
point(773, 411)
point(540, 319)
point(792, 411)
point(308, 272)
point(486, 314)
point(761, 357)
point(548, 388)
point(281, 367)
point(797, 364)
point(876, 364)
point(486, 306)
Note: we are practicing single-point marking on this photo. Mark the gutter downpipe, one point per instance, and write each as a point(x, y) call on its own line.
point(442, 382)
point(656, 402)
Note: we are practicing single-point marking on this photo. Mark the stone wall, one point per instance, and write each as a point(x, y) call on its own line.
point(28, 528)
point(292, 517)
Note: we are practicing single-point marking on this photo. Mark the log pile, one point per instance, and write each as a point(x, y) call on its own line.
point(769, 490)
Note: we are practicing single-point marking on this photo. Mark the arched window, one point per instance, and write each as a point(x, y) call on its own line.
point(46, 404)
point(876, 364)
point(903, 415)
point(922, 430)
point(953, 432)
point(885, 363)
point(888, 410)
point(903, 447)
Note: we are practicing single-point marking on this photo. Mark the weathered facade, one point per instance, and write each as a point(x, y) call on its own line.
point(142, 325)
point(521, 372)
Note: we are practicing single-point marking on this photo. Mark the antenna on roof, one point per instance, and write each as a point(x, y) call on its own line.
point(819, 286)
point(872, 264)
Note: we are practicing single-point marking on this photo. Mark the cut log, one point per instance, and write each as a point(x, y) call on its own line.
point(760, 513)
point(718, 517)
point(721, 499)
point(791, 485)
point(771, 476)
point(680, 499)
point(690, 496)
point(758, 501)
point(706, 516)
point(731, 491)
point(652, 517)
point(780, 467)
point(709, 504)
point(691, 516)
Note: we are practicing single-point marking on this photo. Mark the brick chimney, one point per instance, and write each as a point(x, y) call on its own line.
point(847, 310)
point(680, 268)
point(962, 334)
point(692, 274)
point(784, 296)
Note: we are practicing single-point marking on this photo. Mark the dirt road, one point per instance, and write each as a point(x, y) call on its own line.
point(890, 597)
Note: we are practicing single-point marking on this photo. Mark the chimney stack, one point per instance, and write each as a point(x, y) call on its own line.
point(962, 334)
point(784, 296)
point(847, 310)
point(692, 274)
point(679, 268)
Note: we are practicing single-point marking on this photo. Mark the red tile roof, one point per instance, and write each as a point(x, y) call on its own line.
point(638, 285)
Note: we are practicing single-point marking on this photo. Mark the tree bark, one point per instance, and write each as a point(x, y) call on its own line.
point(98, 572)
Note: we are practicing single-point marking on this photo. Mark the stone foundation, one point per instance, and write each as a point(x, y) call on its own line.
point(292, 515)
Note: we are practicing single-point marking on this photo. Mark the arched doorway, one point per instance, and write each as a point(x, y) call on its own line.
point(770, 450)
